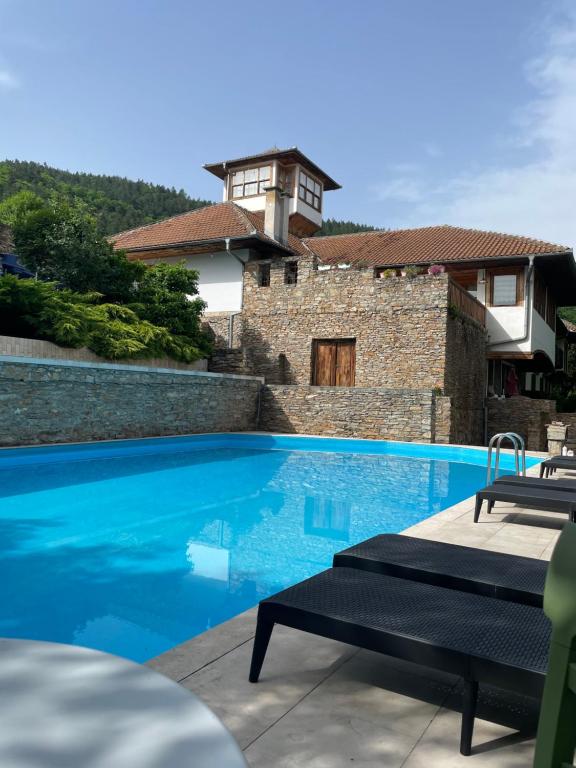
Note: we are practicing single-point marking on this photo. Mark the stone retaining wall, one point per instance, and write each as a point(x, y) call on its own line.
point(525, 415)
point(229, 361)
point(386, 414)
point(45, 350)
point(72, 402)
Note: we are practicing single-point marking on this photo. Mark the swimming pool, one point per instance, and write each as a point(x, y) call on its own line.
point(135, 546)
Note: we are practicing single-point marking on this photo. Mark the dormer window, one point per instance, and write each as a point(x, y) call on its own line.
point(250, 182)
point(309, 191)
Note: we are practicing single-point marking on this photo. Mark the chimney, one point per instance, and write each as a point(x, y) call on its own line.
point(276, 214)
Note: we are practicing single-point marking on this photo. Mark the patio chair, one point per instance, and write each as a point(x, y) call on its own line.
point(556, 740)
point(508, 577)
point(549, 466)
point(548, 499)
point(481, 639)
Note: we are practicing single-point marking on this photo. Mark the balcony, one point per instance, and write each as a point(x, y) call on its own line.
point(464, 303)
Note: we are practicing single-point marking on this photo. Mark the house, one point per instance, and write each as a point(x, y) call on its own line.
point(361, 310)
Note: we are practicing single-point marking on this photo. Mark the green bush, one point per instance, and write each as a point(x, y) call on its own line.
point(35, 309)
point(94, 296)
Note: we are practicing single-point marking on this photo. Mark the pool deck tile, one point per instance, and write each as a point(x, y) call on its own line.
point(322, 704)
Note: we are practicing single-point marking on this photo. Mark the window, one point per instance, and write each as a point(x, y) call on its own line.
point(291, 273)
point(504, 290)
point(252, 181)
point(264, 275)
point(309, 190)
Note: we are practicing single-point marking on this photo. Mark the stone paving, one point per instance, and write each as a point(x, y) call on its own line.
point(321, 704)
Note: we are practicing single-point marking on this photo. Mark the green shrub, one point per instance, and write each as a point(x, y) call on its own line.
point(34, 309)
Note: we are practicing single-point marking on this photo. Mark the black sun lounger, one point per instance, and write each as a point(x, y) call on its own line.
point(546, 499)
point(508, 577)
point(481, 639)
point(557, 462)
point(563, 484)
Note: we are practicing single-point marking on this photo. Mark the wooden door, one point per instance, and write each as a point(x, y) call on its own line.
point(334, 362)
point(324, 363)
point(345, 363)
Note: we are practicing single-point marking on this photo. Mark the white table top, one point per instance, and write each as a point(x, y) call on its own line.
point(62, 706)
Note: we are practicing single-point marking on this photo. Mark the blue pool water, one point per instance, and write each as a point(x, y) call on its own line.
point(136, 546)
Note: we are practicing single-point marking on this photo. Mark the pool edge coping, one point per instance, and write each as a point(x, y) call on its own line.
point(118, 440)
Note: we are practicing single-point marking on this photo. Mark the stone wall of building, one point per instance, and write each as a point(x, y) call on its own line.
point(399, 325)
point(217, 326)
point(386, 414)
point(525, 415)
point(69, 402)
point(465, 379)
point(45, 350)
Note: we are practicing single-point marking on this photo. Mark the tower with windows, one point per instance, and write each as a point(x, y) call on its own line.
point(283, 183)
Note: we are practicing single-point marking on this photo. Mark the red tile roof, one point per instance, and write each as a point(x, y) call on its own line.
point(427, 245)
point(424, 246)
point(213, 222)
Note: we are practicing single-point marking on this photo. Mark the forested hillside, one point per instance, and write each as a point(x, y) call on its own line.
point(117, 203)
point(335, 227)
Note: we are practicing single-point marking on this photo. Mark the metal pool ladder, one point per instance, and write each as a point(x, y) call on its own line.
point(519, 449)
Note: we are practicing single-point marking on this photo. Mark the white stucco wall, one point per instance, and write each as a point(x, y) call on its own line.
point(542, 337)
point(220, 281)
point(503, 324)
point(507, 323)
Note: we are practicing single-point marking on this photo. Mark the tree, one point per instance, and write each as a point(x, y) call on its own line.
point(60, 241)
point(167, 295)
point(92, 295)
point(18, 206)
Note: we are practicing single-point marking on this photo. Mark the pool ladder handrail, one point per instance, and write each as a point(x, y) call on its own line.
point(519, 449)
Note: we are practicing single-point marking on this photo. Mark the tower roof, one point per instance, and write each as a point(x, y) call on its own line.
point(285, 156)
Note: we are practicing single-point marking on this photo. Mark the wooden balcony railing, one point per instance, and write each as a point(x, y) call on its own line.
point(463, 302)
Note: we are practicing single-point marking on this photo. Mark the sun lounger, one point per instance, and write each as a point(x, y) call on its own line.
point(550, 466)
point(508, 577)
point(563, 484)
point(481, 639)
point(546, 499)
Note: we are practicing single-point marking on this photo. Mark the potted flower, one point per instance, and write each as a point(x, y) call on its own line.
point(387, 274)
point(411, 272)
point(436, 269)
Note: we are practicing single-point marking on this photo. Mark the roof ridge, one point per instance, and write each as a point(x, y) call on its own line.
point(161, 221)
point(506, 234)
point(379, 231)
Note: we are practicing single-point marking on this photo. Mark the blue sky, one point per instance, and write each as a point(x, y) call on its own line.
point(426, 111)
